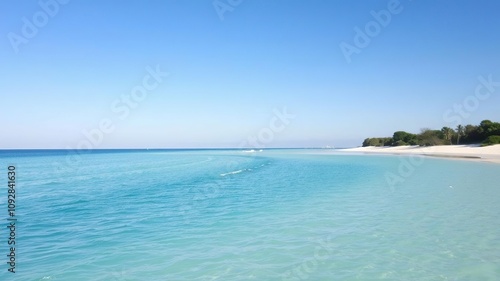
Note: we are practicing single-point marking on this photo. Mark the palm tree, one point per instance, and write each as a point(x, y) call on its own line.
point(448, 133)
point(460, 132)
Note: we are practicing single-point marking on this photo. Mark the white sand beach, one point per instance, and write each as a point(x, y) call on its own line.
point(465, 152)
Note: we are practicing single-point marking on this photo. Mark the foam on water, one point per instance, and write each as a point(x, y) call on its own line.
point(234, 172)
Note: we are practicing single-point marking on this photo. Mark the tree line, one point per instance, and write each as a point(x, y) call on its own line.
point(486, 133)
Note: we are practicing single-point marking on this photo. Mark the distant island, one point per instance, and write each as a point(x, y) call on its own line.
point(486, 133)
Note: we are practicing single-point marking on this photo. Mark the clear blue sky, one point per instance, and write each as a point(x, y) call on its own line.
point(227, 76)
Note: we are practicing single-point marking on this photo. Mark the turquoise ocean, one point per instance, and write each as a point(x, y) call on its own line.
point(206, 215)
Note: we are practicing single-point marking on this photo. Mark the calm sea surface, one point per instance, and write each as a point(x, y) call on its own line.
point(232, 215)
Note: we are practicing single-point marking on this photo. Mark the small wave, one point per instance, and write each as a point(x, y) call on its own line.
point(232, 173)
point(43, 182)
point(252, 151)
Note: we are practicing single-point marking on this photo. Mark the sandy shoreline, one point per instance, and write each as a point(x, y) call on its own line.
point(463, 152)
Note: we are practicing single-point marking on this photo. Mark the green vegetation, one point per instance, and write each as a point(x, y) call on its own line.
point(378, 142)
point(486, 133)
point(491, 140)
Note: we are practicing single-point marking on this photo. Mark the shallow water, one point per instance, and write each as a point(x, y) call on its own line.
point(271, 215)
